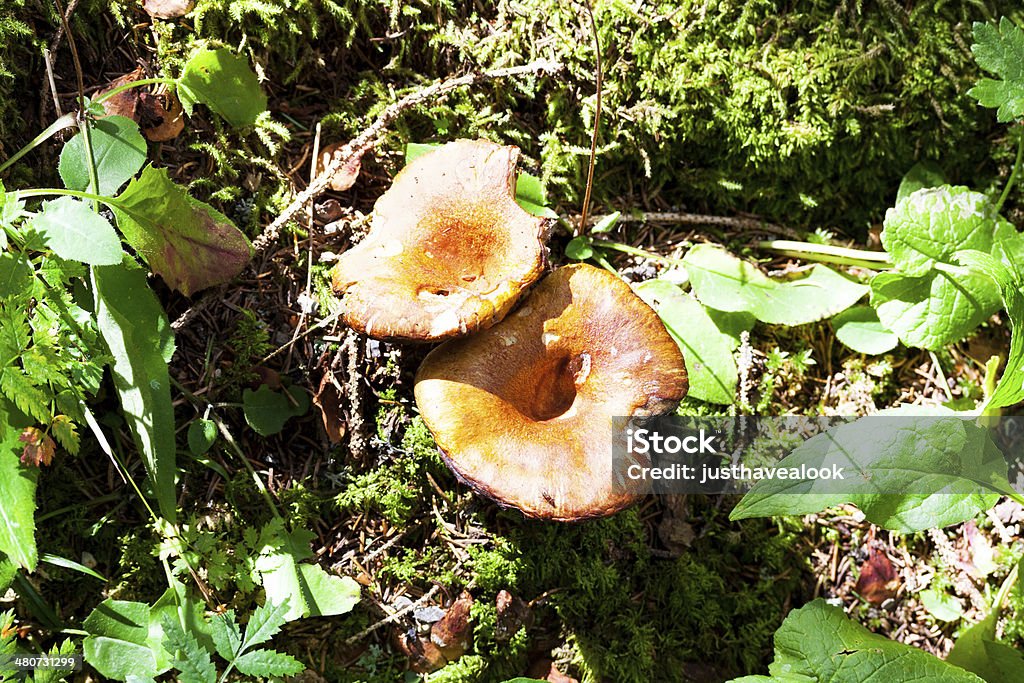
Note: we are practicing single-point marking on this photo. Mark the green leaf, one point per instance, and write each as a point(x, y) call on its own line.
point(978, 651)
point(1000, 51)
point(266, 411)
point(189, 657)
point(65, 563)
point(922, 175)
point(907, 469)
point(17, 502)
point(530, 195)
point(724, 282)
point(308, 589)
point(707, 351)
point(119, 643)
point(1010, 389)
point(15, 274)
point(225, 83)
point(7, 571)
point(580, 248)
point(135, 330)
point(264, 623)
point(189, 244)
point(201, 435)
point(227, 638)
point(607, 223)
point(77, 233)
point(819, 643)
point(942, 605)
point(118, 150)
point(177, 605)
point(927, 301)
point(266, 663)
point(859, 329)
point(414, 150)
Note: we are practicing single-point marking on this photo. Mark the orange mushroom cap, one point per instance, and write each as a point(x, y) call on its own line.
point(450, 251)
point(523, 411)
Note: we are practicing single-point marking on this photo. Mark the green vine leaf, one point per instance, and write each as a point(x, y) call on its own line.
point(726, 283)
point(1000, 50)
point(189, 244)
point(75, 232)
point(118, 150)
point(907, 469)
point(135, 329)
point(818, 642)
point(225, 83)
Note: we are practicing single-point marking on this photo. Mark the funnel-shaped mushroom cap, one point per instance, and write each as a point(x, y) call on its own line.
point(450, 251)
point(523, 411)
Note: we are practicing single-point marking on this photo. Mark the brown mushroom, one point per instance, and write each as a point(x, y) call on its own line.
point(450, 251)
point(523, 411)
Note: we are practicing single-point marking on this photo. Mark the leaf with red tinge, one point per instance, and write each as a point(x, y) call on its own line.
point(39, 447)
point(190, 244)
point(878, 580)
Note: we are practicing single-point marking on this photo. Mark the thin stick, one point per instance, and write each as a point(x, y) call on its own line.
point(706, 219)
point(359, 146)
point(597, 121)
point(392, 617)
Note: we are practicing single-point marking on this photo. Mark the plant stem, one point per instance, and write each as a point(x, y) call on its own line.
point(829, 253)
point(1013, 173)
point(100, 99)
point(50, 191)
point(627, 249)
point(66, 121)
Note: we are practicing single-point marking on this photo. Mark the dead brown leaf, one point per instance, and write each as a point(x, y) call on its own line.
point(878, 580)
point(39, 447)
point(161, 117)
point(452, 633)
point(346, 176)
point(328, 402)
point(167, 9)
point(126, 102)
point(513, 614)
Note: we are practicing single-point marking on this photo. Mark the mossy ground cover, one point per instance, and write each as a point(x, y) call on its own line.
point(806, 117)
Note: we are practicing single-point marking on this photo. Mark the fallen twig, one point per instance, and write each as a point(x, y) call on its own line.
point(704, 219)
point(359, 146)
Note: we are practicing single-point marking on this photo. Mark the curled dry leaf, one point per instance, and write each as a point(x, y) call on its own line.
point(39, 447)
point(328, 402)
point(160, 116)
point(450, 251)
point(513, 614)
point(168, 9)
point(345, 177)
point(878, 580)
point(126, 102)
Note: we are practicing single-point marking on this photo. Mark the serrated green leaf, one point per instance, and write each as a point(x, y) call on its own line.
point(859, 329)
point(817, 642)
point(77, 233)
point(266, 411)
point(907, 469)
point(189, 657)
point(118, 150)
point(266, 621)
point(189, 244)
point(942, 605)
point(201, 435)
point(15, 275)
point(66, 433)
point(176, 604)
point(17, 502)
point(225, 83)
point(136, 331)
point(922, 175)
point(7, 571)
point(928, 302)
point(726, 283)
point(56, 674)
point(267, 663)
point(118, 644)
point(1000, 50)
point(707, 351)
point(227, 638)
